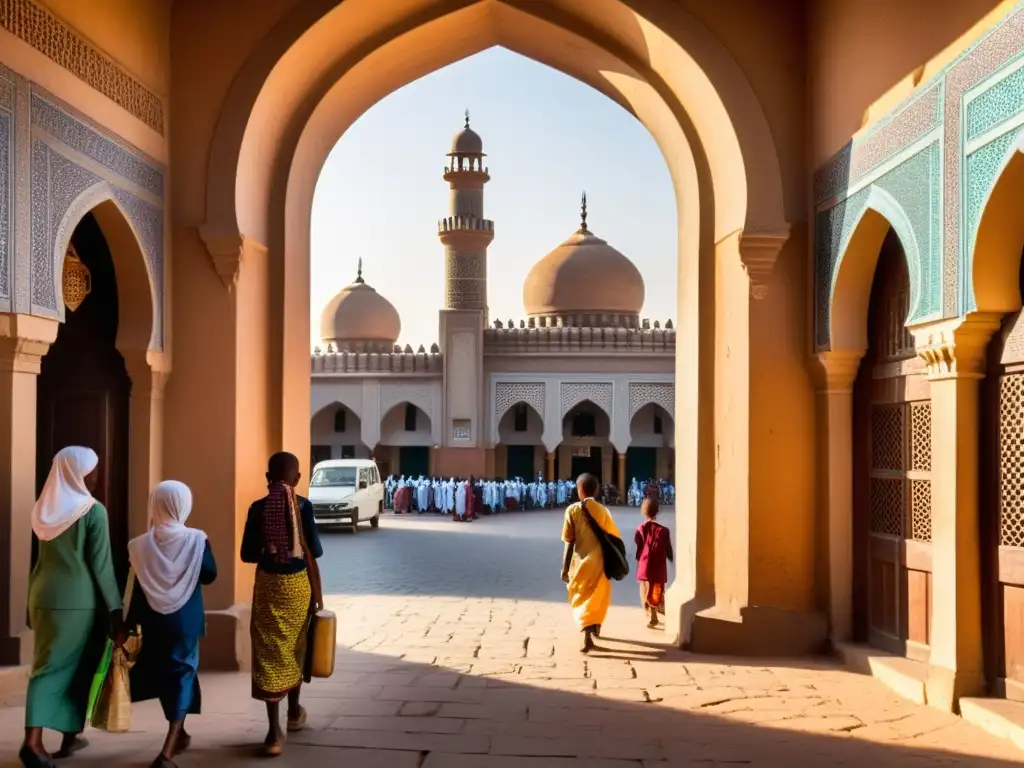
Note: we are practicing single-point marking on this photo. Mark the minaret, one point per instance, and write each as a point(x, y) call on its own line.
point(465, 233)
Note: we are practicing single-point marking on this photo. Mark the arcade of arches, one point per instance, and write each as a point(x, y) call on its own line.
point(845, 431)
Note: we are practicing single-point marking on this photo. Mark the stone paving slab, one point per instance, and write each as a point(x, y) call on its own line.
point(497, 682)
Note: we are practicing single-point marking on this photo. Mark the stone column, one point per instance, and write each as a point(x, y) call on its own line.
point(622, 472)
point(148, 373)
point(549, 470)
point(834, 390)
point(24, 340)
point(954, 351)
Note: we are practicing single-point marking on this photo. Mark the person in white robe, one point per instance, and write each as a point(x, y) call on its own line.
point(460, 501)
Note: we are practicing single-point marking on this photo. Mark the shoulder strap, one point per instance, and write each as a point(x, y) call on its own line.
point(129, 590)
point(312, 567)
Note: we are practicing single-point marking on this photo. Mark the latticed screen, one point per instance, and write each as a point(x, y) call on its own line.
point(1011, 460)
point(901, 462)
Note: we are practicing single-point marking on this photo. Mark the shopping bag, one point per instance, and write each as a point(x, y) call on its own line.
point(97, 680)
point(113, 710)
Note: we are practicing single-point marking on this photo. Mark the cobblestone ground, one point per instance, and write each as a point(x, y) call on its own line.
point(458, 651)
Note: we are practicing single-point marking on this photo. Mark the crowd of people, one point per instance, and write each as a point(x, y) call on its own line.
point(467, 498)
point(73, 589)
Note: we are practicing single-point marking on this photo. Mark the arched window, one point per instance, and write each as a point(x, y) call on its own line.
point(520, 417)
point(583, 424)
point(410, 417)
point(658, 428)
point(339, 420)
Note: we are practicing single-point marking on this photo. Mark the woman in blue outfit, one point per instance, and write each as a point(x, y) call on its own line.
point(170, 563)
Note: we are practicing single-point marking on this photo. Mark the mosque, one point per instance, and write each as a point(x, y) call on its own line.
point(582, 384)
point(841, 398)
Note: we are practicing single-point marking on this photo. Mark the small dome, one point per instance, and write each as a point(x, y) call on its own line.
point(467, 141)
point(584, 275)
point(359, 318)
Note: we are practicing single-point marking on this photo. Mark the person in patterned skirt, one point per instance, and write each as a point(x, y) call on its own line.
point(280, 533)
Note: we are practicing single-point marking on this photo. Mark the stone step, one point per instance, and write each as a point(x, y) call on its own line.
point(1000, 717)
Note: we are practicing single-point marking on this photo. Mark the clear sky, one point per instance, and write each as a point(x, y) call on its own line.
point(548, 137)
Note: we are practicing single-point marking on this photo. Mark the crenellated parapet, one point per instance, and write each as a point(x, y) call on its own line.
point(396, 362)
point(569, 339)
point(464, 224)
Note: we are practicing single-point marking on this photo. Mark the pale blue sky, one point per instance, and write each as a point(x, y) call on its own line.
point(547, 136)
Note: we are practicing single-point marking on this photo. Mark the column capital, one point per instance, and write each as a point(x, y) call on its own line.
point(955, 347)
point(837, 369)
point(758, 252)
point(227, 251)
point(24, 341)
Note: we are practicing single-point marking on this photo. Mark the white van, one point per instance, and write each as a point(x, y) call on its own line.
point(346, 492)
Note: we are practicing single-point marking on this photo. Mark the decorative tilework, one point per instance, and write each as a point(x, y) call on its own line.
point(914, 185)
point(659, 394)
point(599, 393)
point(983, 166)
point(911, 122)
point(507, 394)
point(6, 179)
point(1003, 44)
point(1000, 102)
point(54, 39)
point(82, 138)
point(148, 221)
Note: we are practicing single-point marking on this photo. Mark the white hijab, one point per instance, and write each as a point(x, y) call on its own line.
point(167, 558)
point(64, 498)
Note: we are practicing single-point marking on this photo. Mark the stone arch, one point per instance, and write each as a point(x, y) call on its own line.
point(498, 419)
point(661, 394)
point(322, 66)
point(995, 253)
point(388, 416)
point(855, 271)
point(668, 424)
point(598, 393)
point(137, 294)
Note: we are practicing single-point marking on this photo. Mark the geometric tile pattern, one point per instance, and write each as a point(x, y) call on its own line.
point(508, 393)
point(600, 394)
point(1011, 460)
point(659, 394)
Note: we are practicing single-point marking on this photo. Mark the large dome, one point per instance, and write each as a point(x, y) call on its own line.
point(359, 319)
point(583, 276)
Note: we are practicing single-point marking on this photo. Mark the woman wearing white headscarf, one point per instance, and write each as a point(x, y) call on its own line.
point(71, 586)
point(170, 563)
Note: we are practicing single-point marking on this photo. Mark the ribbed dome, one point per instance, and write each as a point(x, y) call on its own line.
point(584, 275)
point(359, 317)
point(467, 141)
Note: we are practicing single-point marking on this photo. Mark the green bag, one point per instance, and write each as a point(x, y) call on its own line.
point(98, 678)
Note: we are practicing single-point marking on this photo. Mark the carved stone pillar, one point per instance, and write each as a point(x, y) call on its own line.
point(954, 351)
point(549, 473)
point(24, 340)
point(623, 483)
point(834, 391)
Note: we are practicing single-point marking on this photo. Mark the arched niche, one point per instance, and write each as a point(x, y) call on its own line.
point(532, 433)
point(996, 256)
point(851, 290)
point(395, 423)
point(644, 429)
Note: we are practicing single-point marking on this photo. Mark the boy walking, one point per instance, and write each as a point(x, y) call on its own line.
point(653, 553)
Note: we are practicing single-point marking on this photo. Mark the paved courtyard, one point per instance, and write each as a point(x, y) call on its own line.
point(458, 651)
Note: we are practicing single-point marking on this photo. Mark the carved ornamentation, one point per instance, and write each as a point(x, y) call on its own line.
point(462, 430)
point(58, 42)
point(758, 252)
point(507, 394)
point(659, 394)
point(600, 394)
point(1011, 461)
point(76, 283)
point(462, 265)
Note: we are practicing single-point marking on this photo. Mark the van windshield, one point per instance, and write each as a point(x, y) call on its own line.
point(327, 476)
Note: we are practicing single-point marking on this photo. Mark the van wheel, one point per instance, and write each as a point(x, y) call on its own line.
point(375, 520)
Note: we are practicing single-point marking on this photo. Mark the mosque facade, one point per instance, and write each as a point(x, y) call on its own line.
point(581, 384)
point(841, 396)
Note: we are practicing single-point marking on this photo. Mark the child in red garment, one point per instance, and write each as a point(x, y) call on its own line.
point(653, 553)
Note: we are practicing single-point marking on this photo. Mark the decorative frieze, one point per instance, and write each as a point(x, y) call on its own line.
point(509, 393)
point(62, 45)
point(574, 393)
point(660, 394)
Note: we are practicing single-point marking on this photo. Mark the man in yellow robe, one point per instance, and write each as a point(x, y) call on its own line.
point(590, 591)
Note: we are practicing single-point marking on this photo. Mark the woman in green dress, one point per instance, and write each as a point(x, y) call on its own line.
point(72, 591)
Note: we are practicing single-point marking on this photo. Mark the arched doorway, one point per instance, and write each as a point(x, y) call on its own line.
point(405, 441)
point(585, 445)
point(336, 433)
point(651, 432)
point(520, 448)
point(84, 391)
point(892, 466)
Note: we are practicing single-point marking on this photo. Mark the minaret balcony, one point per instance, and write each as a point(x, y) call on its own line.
point(466, 176)
point(465, 224)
